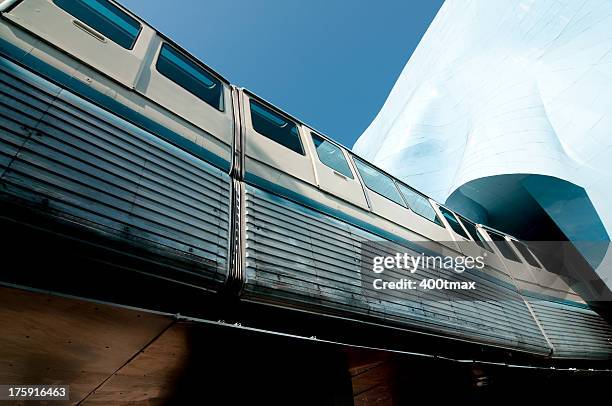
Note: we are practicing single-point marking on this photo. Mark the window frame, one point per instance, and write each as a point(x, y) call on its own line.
point(504, 240)
point(197, 64)
point(105, 35)
point(284, 117)
point(357, 160)
point(401, 185)
point(463, 234)
point(478, 239)
point(313, 134)
point(519, 245)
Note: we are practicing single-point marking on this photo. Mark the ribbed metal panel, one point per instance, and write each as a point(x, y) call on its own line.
point(300, 257)
point(575, 332)
point(78, 161)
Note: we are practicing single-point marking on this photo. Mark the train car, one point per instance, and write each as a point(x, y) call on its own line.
point(114, 131)
point(109, 126)
point(572, 329)
point(311, 206)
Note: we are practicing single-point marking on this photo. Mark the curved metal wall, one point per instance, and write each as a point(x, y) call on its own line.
point(499, 87)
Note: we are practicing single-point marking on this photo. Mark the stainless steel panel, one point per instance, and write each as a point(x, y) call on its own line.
point(575, 332)
point(302, 258)
point(76, 160)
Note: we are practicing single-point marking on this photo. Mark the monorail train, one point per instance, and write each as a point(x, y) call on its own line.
point(108, 124)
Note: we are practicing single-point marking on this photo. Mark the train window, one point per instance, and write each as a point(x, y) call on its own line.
point(104, 17)
point(522, 248)
point(330, 155)
point(502, 244)
point(190, 76)
point(275, 127)
point(473, 232)
point(378, 182)
point(453, 222)
point(419, 204)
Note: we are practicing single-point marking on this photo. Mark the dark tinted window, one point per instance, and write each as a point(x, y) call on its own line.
point(104, 17)
point(522, 248)
point(503, 246)
point(378, 182)
point(471, 228)
point(453, 222)
point(190, 76)
point(419, 204)
point(275, 127)
point(331, 155)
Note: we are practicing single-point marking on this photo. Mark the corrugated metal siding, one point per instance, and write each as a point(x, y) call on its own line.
point(300, 257)
point(88, 165)
point(574, 332)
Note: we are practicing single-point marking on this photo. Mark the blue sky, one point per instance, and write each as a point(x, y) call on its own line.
point(331, 63)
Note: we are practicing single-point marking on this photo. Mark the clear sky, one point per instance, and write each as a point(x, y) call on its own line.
point(330, 63)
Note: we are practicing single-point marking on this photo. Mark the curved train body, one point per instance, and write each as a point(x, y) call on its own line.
point(107, 125)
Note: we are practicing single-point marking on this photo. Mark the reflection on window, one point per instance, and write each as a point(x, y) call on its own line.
point(502, 244)
point(522, 248)
point(275, 127)
point(378, 182)
point(331, 155)
point(453, 222)
point(190, 76)
point(419, 204)
point(104, 17)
